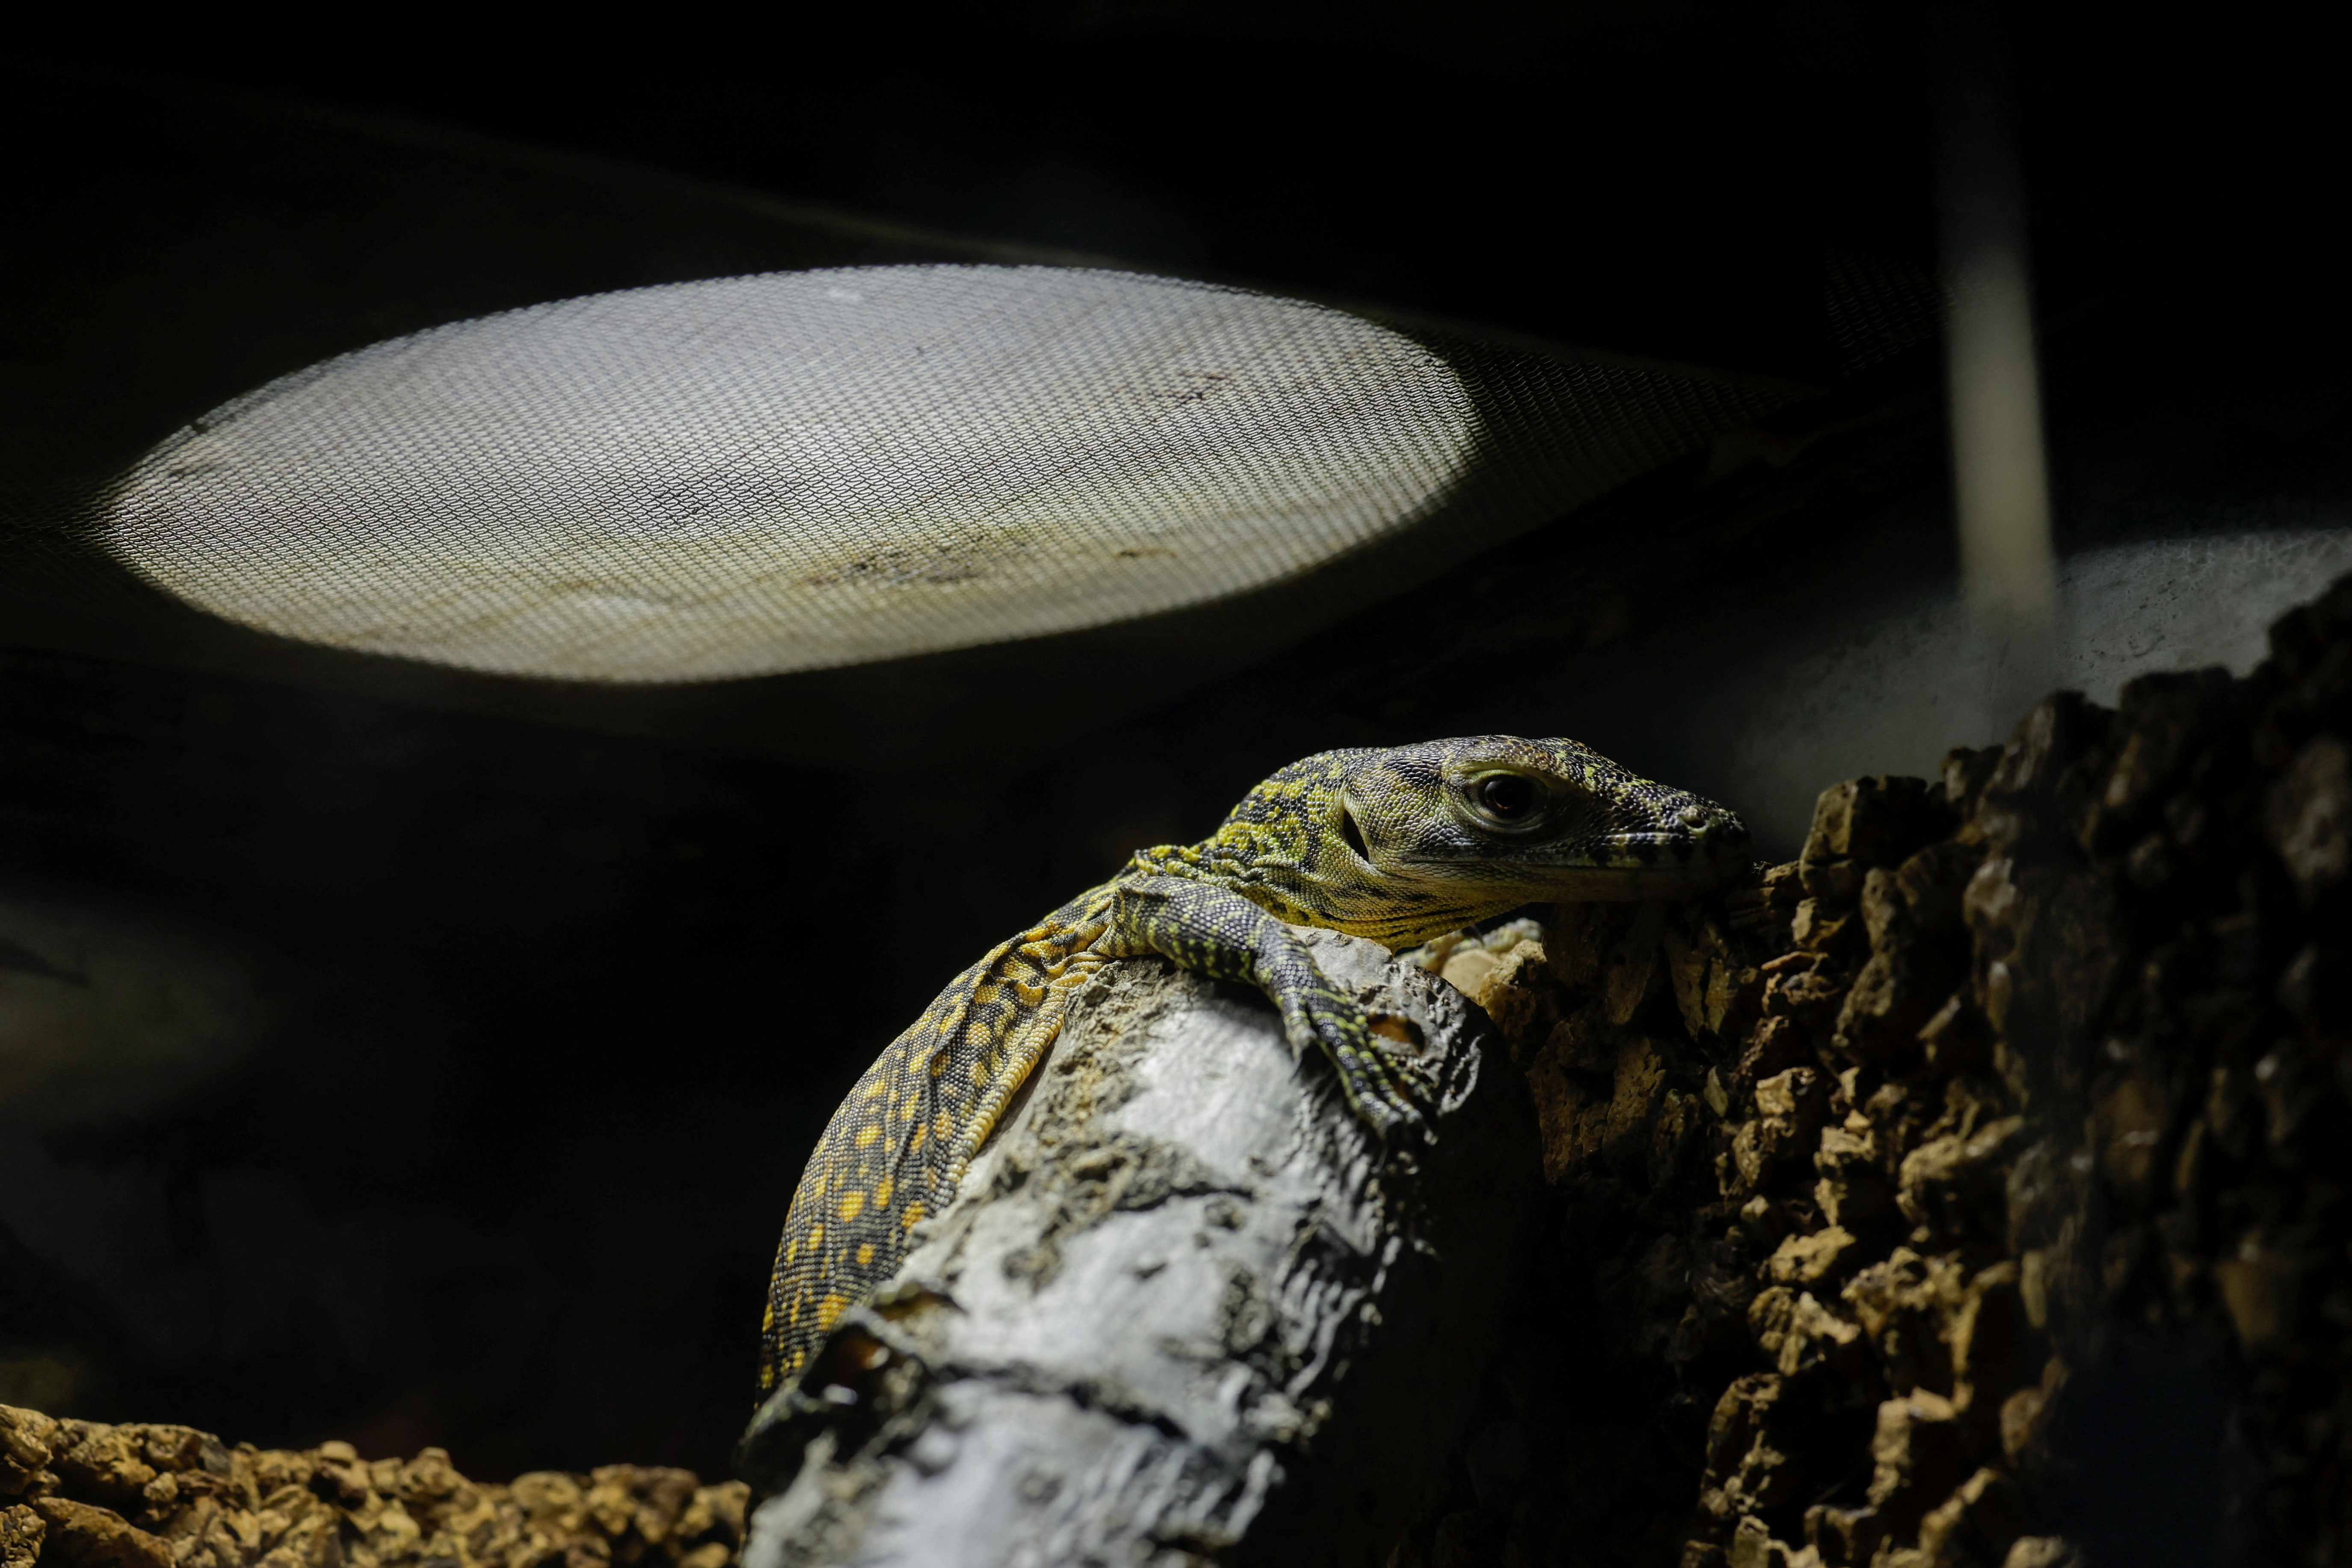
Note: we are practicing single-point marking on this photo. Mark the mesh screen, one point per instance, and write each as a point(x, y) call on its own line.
point(793, 470)
point(755, 475)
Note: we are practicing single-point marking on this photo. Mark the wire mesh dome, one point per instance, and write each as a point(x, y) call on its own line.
point(793, 470)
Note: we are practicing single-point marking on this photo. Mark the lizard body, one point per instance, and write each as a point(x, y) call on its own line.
point(1399, 845)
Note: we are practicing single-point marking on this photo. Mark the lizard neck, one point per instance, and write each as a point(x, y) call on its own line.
point(1277, 882)
point(1280, 851)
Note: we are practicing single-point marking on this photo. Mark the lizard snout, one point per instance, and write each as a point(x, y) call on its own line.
point(1720, 835)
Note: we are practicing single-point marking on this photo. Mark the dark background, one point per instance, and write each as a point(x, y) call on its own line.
point(1658, 177)
point(561, 1011)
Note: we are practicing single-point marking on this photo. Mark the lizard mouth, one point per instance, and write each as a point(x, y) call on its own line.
point(1653, 865)
point(1640, 850)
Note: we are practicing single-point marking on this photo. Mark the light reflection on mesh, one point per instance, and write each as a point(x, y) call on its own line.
point(763, 474)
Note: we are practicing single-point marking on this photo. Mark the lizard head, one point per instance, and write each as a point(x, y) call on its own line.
point(1411, 842)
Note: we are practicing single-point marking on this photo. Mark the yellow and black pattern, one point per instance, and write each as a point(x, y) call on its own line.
point(897, 1148)
point(1400, 845)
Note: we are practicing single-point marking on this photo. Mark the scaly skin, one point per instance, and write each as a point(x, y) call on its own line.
point(1400, 845)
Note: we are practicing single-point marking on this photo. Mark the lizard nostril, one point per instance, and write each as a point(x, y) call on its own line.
point(1692, 815)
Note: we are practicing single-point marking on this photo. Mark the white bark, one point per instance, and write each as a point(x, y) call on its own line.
point(1187, 1308)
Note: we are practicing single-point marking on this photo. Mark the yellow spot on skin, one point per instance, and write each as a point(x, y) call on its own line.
point(876, 1090)
point(866, 1255)
point(882, 1193)
point(829, 1309)
point(792, 1249)
point(867, 1135)
point(912, 1217)
point(851, 1205)
point(816, 1236)
point(922, 1135)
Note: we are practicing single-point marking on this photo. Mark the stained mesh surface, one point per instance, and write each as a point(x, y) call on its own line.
point(762, 474)
point(620, 510)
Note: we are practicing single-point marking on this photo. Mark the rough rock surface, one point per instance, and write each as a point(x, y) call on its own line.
point(1863, 1174)
point(77, 1494)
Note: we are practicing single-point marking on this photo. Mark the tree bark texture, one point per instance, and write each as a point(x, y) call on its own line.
point(1972, 1191)
point(1187, 1307)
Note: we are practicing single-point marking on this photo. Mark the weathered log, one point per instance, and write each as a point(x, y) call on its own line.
point(1187, 1307)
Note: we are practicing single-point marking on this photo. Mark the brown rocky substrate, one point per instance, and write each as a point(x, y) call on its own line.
point(1872, 1180)
point(78, 1494)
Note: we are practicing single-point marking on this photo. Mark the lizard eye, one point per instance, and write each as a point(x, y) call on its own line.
point(1505, 800)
